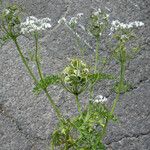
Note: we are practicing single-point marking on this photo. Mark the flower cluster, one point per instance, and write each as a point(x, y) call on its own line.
point(10, 20)
point(77, 69)
point(116, 24)
point(63, 19)
point(96, 13)
point(99, 12)
point(98, 23)
point(33, 24)
point(100, 99)
point(72, 22)
point(6, 11)
point(75, 76)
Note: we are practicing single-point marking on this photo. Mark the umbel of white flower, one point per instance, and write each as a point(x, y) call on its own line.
point(33, 24)
point(96, 13)
point(73, 20)
point(116, 24)
point(100, 99)
point(6, 11)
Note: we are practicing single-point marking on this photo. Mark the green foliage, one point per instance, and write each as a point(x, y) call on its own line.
point(123, 88)
point(122, 37)
point(4, 39)
point(10, 20)
point(31, 55)
point(98, 23)
point(62, 137)
point(75, 76)
point(45, 82)
point(133, 52)
point(122, 54)
point(85, 131)
point(100, 76)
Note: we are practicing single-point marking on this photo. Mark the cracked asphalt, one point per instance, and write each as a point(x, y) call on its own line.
point(27, 120)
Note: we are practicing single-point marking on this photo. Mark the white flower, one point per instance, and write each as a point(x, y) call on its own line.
point(96, 13)
point(63, 19)
point(79, 15)
point(100, 99)
point(116, 24)
point(73, 20)
point(130, 25)
point(6, 11)
point(138, 23)
point(124, 37)
point(107, 15)
point(33, 24)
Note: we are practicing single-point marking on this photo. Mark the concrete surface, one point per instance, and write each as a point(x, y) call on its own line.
point(26, 120)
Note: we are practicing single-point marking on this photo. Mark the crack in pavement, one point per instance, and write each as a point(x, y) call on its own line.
point(30, 137)
point(128, 137)
point(18, 126)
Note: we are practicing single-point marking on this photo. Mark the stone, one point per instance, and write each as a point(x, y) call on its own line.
point(27, 120)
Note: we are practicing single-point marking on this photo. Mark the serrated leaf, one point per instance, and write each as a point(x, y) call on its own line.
point(4, 39)
point(100, 76)
point(48, 80)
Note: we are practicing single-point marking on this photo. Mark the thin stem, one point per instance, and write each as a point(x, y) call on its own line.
point(60, 117)
point(41, 76)
point(121, 82)
point(115, 101)
point(122, 75)
point(79, 46)
point(24, 60)
point(78, 103)
point(77, 35)
point(96, 55)
point(36, 81)
point(91, 91)
point(36, 55)
point(95, 67)
point(104, 129)
point(88, 112)
point(122, 72)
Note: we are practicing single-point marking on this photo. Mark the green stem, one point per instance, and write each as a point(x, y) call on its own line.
point(24, 60)
point(122, 74)
point(35, 80)
point(60, 117)
point(36, 56)
point(80, 48)
point(115, 102)
point(78, 103)
point(104, 129)
point(91, 91)
point(95, 67)
point(96, 55)
point(41, 76)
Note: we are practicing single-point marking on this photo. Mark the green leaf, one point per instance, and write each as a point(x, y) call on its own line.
point(100, 76)
point(48, 80)
point(4, 39)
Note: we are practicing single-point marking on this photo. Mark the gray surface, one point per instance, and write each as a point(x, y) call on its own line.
point(26, 121)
